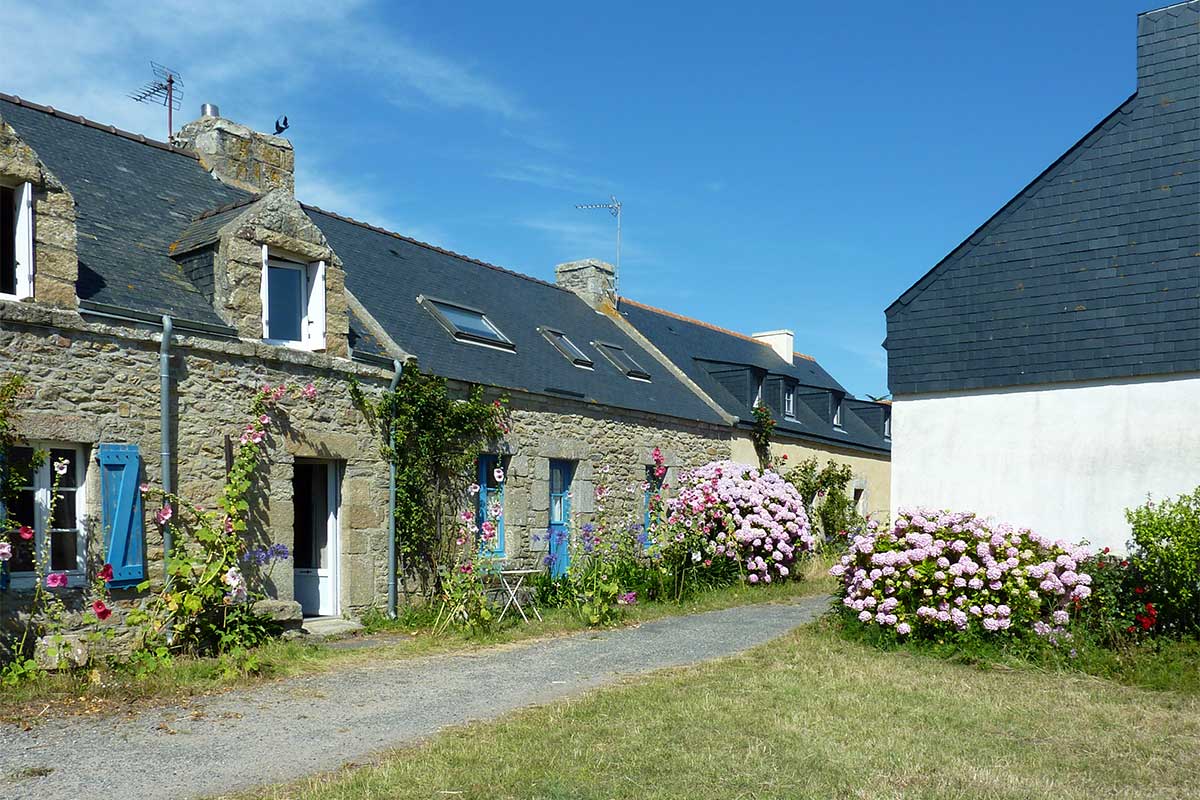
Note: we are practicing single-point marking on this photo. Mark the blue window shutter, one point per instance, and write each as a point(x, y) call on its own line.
point(489, 494)
point(120, 466)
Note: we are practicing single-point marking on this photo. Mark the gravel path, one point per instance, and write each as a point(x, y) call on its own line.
point(283, 731)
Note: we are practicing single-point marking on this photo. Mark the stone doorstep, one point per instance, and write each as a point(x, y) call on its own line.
point(329, 627)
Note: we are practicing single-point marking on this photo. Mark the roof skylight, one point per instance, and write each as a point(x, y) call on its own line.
point(467, 324)
point(565, 346)
point(622, 361)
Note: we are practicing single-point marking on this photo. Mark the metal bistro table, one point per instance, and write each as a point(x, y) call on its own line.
point(511, 580)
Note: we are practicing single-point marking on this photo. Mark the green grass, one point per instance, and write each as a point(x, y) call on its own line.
point(811, 716)
point(104, 690)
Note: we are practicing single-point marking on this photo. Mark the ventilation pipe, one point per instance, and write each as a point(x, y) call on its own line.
point(392, 498)
point(164, 391)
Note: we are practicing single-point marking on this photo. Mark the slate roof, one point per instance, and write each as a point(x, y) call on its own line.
point(134, 197)
point(387, 271)
point(1093, 270)
point(699, 349)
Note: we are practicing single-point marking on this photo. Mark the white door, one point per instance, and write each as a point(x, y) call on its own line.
point(315, 554)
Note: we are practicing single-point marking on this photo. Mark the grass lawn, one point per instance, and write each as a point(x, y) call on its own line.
point(110, 691)
point(812, 716)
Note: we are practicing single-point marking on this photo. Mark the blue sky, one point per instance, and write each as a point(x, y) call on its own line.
point(781, 165)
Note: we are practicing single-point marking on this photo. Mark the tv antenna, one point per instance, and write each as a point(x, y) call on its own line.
point(165, 89)
point(613, 206)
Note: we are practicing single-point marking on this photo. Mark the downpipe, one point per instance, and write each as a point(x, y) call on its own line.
point(164, 391)
point(392, 497)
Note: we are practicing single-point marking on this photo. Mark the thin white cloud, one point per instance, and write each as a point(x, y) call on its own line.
point(550, 176)
point(226, 52)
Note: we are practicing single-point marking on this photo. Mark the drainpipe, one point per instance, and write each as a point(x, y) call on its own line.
point(164, 393)
point(392, 499)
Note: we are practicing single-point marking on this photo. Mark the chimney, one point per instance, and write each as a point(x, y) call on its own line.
point(782, 342)
point(1167, 43)
point(237, 155)
point(591, 279)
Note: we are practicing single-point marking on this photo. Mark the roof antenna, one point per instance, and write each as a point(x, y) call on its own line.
point(165, 89)
point(614, 207)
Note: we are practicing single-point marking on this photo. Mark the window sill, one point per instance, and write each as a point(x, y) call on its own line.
point(27, 581)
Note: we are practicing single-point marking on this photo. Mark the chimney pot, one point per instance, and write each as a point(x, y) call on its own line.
point(210, 110)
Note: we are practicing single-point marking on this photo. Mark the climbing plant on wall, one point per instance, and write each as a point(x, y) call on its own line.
point(764, 426)
point(433, 437)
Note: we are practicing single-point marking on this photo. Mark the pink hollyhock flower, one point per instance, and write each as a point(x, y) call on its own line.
point(145, 487)
point(264, 420)
point(61, 466)
point(101, 611)
point(498, 474)
point(164, 514)
point(474, 489)
point(5, 551)
point(106, 573)
point(309, 391)
point(56, 580)
point(25, 532)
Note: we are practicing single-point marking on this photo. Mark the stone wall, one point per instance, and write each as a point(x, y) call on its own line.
point(92, 383)
point(609, 446)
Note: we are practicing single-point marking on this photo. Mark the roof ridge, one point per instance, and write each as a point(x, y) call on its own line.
point(433, 247)
point(708, 325)
point(81, 120)
point(212, 212)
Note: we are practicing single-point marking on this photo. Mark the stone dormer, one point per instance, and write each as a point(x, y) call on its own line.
point(230, 254)
point(38, 257)
point(238, 155)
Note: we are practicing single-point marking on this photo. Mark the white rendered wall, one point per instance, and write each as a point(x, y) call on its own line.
point(1065, 460)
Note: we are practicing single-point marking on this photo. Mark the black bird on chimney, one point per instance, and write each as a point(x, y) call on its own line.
point(280, 127)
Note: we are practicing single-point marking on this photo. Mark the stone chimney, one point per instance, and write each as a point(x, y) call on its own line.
point(1167, 43)
point(591, 279)
point(782, 342)
point(237, 155)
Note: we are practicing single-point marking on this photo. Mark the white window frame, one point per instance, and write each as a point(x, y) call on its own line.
point(758, 394)
point(887, 423)
point(23, 244)
point(837, 412)
point(312, 317)
point(42, 483)
point(789, 403)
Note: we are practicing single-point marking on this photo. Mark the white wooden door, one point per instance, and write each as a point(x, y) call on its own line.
point(316, 499)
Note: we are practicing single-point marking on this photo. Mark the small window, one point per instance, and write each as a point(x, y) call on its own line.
point(293, 302)
point(860, 494)
point(837, 412)
point(622, 361)
point(16, 241)
point(466, 324)
point(490, 508)
point(651, 503)
point(789, 403)
point(758, 392)
point(887, 423)
point(59, 538)
point(565, 346)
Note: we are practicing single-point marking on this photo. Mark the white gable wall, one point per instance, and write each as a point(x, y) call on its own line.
point(1065, 460)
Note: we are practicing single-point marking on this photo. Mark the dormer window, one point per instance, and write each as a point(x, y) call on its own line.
point(887, 423)
point(568, 349)
point(758, 392)
point(466, 324)
point(789, 403)
point(293, 302)
point(837, 411)
point(621, 359)
point(16, 241)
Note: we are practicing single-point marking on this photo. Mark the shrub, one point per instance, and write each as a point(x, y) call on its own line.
point(1165, 553)
point(823, 489)
point(938, 573)
point(730, 519)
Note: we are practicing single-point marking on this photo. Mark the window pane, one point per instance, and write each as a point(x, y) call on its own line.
point(64, 511)
point(556, 508)
point(21, 512)
point(556, 480)
point(469, 322)
point(622, 359)
point(8, 241)
point(285, 303)
point(63, 550)
point(21, 458)
point(67, 480)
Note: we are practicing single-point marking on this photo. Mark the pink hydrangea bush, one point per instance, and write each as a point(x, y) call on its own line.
point(937, 573)
point(727, 510)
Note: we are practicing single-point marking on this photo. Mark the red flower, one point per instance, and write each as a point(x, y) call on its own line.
point(1124, 563)
point(26, 532)
point(106, 573)
point(1105, 551)
point(1150, 609)
point(1130, 629)
point(101, 611)
point(1139, 589)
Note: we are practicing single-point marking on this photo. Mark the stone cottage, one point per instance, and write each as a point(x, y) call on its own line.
point(148, 289)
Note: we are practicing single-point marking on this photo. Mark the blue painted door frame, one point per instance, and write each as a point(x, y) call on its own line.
point(561, 473)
